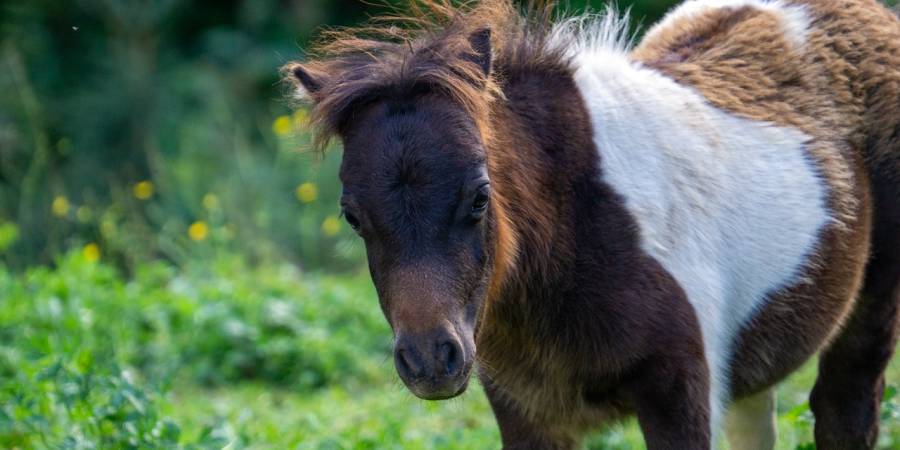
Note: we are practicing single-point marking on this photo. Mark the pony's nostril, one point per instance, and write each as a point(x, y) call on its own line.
point(449, 357)
point(408, 366)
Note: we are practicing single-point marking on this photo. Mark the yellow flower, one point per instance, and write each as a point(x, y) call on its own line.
point(301, 118)
point(210, 201)
point(282, 126)
point(84, 214)
point(60, 206)
point(198, 230)
point(331, 226)
point(143, 190)
point(307, 192)
point(91, 252)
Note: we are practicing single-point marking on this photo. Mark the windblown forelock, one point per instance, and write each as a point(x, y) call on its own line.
point(426, 48)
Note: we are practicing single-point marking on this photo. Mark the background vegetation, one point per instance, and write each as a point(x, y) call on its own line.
point(173, 273)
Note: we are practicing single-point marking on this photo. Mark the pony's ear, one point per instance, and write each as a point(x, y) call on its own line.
point(480, 41)
point(306, 80)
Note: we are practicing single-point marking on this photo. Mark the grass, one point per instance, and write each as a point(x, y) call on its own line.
point(222, 355)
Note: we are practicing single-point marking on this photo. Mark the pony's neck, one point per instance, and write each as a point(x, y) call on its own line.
point(547, 170)
point(566, 221)
point(543, 164)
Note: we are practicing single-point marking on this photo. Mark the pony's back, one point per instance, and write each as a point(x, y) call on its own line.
point(862, 38)
point(848, 51)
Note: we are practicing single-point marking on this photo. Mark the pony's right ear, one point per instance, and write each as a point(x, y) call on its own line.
point(307, 81)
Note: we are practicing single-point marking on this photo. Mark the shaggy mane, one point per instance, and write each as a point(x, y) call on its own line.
point(426, 48)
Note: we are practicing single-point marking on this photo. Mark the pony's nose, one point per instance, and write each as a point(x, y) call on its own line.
point(418, 358)
point(432, 365)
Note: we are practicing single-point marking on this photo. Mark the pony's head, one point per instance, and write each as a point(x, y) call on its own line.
point(411, 114)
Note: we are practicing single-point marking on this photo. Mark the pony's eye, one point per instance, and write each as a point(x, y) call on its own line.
point(480, 203)
point(352, 221)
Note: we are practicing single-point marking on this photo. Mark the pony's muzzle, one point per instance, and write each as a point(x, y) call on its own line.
point(433, 365)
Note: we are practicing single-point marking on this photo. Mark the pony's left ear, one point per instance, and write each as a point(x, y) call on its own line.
point(480, 41)
point(307, 81)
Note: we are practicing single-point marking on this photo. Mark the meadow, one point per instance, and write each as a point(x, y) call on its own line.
point(174, 272)
point(227, 354)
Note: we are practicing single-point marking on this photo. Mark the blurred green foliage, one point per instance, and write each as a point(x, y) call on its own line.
point(124, 122)
point(98, 96)
point(76, 342)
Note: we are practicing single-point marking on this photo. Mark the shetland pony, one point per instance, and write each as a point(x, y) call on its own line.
point(666, 229)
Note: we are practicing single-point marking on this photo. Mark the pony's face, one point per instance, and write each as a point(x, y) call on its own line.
point(416, 190)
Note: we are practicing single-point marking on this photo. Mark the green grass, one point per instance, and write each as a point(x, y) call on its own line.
point(223, 355)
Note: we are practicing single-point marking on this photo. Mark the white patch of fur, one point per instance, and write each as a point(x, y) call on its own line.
point(604, 32)
point(751, 422)
point(731, 207)
point(795, 21)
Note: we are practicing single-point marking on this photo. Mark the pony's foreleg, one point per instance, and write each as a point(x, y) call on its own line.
point(671, 398)
point(751, 422)
point(516, 432)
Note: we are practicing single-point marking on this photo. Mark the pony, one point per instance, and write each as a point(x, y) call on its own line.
point(664, 228)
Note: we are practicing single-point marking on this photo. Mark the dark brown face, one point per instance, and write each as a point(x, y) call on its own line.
point(416, 190)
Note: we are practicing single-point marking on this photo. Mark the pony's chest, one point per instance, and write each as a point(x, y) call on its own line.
point(547, 389)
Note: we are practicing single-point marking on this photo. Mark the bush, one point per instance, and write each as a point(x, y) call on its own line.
point(86, 356)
